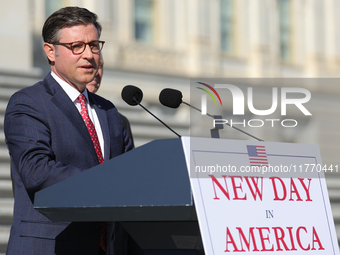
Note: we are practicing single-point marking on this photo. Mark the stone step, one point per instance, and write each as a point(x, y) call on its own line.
point(4, 235)
point(5, 171)
point(3, 105)
point(333, 182)
point(337, 230)
point(6, 211)
point(336, 217)
point(334, 196)
point(18, 81)
point(6, 189)
point(4, 155)
point(6, 93)
point(143, 120)
point(141, 141)
point(333, 186)
point(156, 132)
point(2, 138)
point(336, 211)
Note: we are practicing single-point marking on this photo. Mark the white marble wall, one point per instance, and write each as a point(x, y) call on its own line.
point(15, 34)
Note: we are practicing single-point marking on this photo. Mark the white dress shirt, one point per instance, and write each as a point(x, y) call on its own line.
point(74, 94)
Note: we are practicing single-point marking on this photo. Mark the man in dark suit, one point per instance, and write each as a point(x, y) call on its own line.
point(93, 87)
point(55, 129)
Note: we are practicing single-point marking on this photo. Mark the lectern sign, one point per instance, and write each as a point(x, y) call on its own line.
point(260, 197)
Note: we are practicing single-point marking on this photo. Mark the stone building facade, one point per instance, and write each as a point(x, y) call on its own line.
point(156, 44)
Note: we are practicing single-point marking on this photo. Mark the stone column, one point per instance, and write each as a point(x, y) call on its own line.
point(16, 36)
point(263, 25)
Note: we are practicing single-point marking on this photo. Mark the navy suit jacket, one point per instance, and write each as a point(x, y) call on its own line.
point(48, 142)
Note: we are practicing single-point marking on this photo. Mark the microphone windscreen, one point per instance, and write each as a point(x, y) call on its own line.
point(132, 95)
point(170, 98)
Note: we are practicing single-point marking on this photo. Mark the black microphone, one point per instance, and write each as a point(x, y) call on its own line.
point(173, 98)
point(133, 95)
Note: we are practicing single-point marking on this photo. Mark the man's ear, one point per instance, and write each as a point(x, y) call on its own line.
point(50, 51)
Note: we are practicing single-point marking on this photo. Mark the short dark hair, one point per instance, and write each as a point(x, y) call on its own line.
point(68, 17)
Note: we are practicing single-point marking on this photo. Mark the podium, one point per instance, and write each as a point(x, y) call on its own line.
point(147, 190)
point(240, 206)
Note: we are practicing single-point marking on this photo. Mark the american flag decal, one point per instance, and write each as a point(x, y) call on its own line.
point(257, 155)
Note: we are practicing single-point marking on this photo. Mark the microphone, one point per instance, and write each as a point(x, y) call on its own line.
point(133, 95)
point(173, 98)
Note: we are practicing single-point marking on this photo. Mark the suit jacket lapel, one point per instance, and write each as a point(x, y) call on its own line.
point(64, 103)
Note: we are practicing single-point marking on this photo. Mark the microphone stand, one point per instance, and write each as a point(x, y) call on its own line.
point(156, 117)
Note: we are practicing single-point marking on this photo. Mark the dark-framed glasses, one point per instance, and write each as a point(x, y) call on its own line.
point(79, 47)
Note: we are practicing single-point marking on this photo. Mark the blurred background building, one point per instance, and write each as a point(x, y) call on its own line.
point(156, 44)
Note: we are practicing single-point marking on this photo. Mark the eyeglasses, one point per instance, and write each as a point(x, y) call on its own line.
point(79, 47)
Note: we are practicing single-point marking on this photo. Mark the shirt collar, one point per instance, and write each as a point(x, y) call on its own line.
point(70, 91)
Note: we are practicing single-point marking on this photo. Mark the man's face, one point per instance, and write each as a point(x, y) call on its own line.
point(77, 70)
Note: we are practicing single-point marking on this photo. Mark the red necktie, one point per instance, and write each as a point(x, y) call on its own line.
point(94, 137)
point(90, 127)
